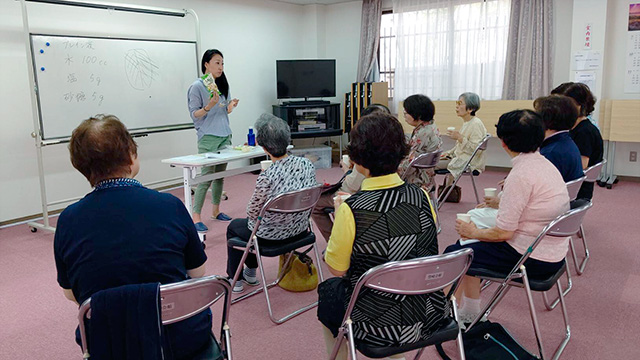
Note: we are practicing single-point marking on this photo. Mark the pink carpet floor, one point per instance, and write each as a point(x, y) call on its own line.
point(38, 322)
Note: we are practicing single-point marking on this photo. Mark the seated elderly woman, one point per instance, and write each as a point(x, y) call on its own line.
point(122, 233)
point(534, 194)
point(418, 112)
point(386, 209)
point(287, 173)
point(467, 139)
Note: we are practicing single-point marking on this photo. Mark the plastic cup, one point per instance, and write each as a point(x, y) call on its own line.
point(464, 217)
point(265, 164)
point(346, 160)
point(490, 192)
point(451, 128)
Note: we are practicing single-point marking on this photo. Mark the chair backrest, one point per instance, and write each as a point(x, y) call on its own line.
point(573, 187)
point(426, 161)
point(416, 276)
point(178, 301)
point(187, 298)
point(568, 223)
point(484, 143)
point(294, 201)
point(592, 172)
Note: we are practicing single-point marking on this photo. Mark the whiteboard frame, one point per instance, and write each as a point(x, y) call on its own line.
point(37, 133)
point(137, 131)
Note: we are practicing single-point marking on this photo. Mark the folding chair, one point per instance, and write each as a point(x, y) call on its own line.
point(566, 224)
point(409, 277)
point(591, 175)
point(466, 170)
point(287, 203)
point(423, 162)
point(180, 301)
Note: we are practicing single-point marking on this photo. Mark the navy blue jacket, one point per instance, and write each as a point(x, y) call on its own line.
point(564, 154)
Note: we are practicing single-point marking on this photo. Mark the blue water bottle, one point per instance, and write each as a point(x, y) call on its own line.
point(251, 137)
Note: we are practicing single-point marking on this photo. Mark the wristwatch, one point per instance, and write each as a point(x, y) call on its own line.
point(205, 109)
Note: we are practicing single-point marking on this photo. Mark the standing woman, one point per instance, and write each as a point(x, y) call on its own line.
point(210, 115)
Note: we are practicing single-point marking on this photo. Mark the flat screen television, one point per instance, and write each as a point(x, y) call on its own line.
point(305, 78)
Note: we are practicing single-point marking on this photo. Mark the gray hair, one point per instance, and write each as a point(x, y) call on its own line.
point(472, 102)
point(273, 134)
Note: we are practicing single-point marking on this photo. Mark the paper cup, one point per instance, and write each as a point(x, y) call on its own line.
point(451, 128)
point(346, 160)
point(464, 217)
point(265, 164)
point(490, 192)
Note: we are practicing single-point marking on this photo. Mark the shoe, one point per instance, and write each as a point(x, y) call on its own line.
point(224, 196)
point(201, 227)
point(222, 217)
point(238, 288)
point(248, 279)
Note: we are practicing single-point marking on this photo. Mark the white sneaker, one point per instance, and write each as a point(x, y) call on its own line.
point(250, 280)
point(238, 288)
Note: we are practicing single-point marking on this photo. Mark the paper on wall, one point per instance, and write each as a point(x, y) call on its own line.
point(587, 60)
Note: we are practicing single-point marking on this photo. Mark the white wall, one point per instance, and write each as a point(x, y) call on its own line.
point(252, 34)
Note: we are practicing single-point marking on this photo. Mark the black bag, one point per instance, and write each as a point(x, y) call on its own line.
point(487, 341)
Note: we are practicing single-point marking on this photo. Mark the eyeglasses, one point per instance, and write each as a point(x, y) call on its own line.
point(459, 102)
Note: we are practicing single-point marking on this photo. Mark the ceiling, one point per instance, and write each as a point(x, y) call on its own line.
point(310, 2)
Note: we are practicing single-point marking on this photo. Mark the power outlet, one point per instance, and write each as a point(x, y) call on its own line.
point(633, 156)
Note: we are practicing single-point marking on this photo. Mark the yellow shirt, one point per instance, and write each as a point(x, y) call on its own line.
point(340, 246)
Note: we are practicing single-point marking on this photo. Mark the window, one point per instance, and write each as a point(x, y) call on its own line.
point(444, 49)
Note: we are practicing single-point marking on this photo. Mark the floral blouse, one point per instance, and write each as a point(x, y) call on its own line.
point(424, 139)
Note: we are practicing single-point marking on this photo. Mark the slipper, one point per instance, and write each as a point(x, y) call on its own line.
point(222, 217)
point(201, 227)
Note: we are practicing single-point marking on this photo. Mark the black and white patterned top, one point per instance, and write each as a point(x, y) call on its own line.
point(289, 174)
point(392, 224)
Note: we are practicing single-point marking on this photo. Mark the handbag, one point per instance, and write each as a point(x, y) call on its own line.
point(454, 196)
point(487, 341)
point(300, 275)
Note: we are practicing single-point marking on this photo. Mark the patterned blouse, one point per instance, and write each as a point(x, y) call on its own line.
point(424, 139)
point(285, 175)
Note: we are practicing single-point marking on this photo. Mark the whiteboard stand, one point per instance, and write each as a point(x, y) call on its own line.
point(37, 133)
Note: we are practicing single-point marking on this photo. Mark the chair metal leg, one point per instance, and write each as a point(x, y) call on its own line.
point(339, 341)
point(565, 315)
point(475, 190)
point(454, 306)
point(227, 340)
point(352, 343)
point(583, 264)
point(532, 310)
point(318, 262)
point(551, 306)
point(486, 284)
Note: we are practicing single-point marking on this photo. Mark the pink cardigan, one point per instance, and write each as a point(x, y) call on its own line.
point(534, 194)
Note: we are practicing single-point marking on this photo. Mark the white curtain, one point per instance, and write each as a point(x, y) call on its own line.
point(447, 47)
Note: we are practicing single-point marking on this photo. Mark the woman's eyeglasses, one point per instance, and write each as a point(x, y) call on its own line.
point(459, 102)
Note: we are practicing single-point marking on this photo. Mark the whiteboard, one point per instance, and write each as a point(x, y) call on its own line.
point(142, 82)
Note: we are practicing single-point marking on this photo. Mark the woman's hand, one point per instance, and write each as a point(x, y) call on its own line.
point(212, 101)
point(232, 105)
point(337, 199)
point(455, 135)
point(346, 167)
point(490, 202)
point(466, 229)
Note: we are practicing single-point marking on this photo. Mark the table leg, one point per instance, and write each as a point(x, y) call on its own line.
point(186, 174)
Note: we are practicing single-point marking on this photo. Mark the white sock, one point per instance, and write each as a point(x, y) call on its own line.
point(470, 306)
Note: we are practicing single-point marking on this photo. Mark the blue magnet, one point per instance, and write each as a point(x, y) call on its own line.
point(41, 51)
point(47, 44)
point(42, 68)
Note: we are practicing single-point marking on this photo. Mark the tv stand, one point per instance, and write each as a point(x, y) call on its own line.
point(306, 102)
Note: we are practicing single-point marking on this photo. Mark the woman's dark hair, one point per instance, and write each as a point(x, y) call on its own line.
point(378, 143)
point(580, 93)
point(221, 82)
point(101, 148)
point(558, 112)
point(419, 107)
point(375, 108)
point(521, 130)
